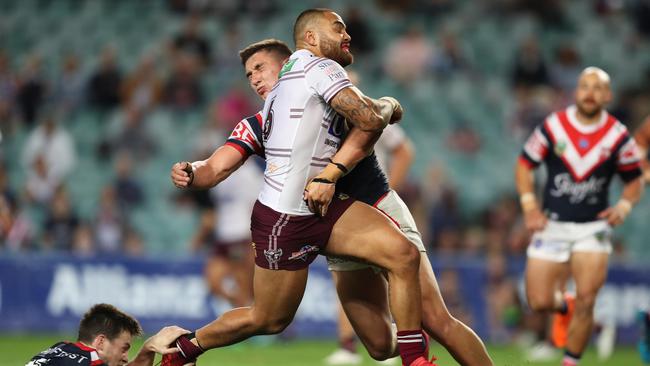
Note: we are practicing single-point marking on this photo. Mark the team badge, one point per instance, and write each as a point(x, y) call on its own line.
point(559, 148)
point(287, 67)
point(303, 252)
point(273, 255)
point(583, 143)
point(343, 196)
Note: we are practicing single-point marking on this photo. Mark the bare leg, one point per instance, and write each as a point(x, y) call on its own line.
point(277, 296)
point(589, 272)
point(544, 283)
point(362, 232)
point(461, 341)
point(364, 297)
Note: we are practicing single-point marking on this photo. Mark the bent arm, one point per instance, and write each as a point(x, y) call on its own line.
point(212, 171)
point(368, 114)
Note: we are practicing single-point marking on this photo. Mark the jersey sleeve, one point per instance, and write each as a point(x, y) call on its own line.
point(246, 137)
point(628, 165)
point(536, 148)
point(326, 78)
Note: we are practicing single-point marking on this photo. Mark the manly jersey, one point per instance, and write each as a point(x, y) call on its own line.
point(67, 354)
point(366, 182)
point(301, 130)
point(580, 161)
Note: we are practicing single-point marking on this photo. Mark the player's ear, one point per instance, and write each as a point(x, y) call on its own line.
point(99, 342)
point(311, 38)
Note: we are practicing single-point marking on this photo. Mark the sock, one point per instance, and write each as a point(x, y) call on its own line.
point(570, 359)
point(411, 345)
point(349, 344)
point(188, 349)
point(564, 308)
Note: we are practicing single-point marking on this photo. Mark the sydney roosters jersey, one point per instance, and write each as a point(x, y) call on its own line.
point(67, 354)
point(581, 161)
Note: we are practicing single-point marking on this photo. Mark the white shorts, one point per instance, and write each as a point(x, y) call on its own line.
point(559, 239)
point(393, 207)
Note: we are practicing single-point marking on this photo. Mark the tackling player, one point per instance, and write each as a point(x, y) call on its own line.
point(304, 119)
point(582, 147)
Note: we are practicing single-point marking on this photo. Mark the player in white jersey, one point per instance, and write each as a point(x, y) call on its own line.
point(362, 290)
point(286, 234)
point(582, 148)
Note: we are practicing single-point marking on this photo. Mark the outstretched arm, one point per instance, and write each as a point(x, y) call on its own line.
point(158, 343)
point(207, 173)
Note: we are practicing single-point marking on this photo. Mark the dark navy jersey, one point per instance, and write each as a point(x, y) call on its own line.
point(580, 161)
point(67, 354)
point(366, 182)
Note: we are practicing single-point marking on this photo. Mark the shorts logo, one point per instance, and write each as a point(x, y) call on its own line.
point(273, 255)
point(303, 252)
point(343, 196)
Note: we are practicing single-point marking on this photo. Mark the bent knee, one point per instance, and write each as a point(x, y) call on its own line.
point(380, 349)
point(406, 255)
point(540, 303)
point(271, 324)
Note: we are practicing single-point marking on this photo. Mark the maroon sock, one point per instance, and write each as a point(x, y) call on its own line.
point(188, 349)
point(411, 345)
point(349, 344)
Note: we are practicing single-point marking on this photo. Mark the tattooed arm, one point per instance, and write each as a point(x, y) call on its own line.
point(365, 113)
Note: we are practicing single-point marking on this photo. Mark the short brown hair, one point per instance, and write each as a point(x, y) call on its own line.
point(270, 45)
point(108, 320)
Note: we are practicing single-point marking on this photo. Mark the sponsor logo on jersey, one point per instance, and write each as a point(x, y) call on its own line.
point(273, 255)
point(577, 192)
point(287, 67)
point(343, 196)
point(559, 148)
point(303, 252)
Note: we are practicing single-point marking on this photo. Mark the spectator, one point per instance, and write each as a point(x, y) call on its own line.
point(465, 140)
point(31, 90)
point(16, 230)
point(405, 70)
point(232, 106)
point(8, 87)
point(232, 39)
point(529, 67)
point(41, 183)
point(133, 245)
point(565, 69)
point(61, 223)
point(128, 190)
point(51, 142)
point(191, 41)
point(357, 27)
point(69, 88)
point(104, 84)
point(109, 225)
point(142, 89)
point(129, 134)
point(183, 90)
point(83, 243)
point(450, 56)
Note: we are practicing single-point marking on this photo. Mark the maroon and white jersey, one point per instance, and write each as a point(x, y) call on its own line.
point(301, 130)
point(581, 161)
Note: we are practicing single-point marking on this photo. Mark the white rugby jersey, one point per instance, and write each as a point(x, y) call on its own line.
point(301, 132)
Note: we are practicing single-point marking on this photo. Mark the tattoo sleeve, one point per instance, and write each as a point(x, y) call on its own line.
point(363, 112)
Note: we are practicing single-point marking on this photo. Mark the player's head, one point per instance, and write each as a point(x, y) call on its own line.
point(110, 332)
point(262, 63)
point(592, 91)
point(322, 32)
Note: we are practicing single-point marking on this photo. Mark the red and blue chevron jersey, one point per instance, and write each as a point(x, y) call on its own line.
point(67, 354)
point(580, 161)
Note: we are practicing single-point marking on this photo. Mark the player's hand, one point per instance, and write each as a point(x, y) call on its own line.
point(163, 341)
point(318, 196)
point(182, 174)
point(535, 219)
point(615, 215)
point(398, 111)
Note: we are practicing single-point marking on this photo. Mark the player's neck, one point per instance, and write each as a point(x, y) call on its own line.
point(313, 49)
point(588, 120)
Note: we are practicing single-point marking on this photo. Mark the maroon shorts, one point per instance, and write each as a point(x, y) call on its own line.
point(291, 242)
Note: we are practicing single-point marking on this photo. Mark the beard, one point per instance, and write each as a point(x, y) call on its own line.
point(590, 111)
point(333, 51)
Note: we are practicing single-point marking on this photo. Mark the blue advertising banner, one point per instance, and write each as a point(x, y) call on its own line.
point(51, 293)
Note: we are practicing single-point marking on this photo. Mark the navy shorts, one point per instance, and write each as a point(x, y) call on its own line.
point(291, 242)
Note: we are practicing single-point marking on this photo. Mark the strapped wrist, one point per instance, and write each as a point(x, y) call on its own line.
point(322, 180)
point(528, 201)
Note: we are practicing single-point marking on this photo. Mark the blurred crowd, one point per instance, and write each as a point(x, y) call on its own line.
point(40, 93)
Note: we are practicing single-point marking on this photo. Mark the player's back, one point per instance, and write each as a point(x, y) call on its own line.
point(301, 130)
point(67, 354)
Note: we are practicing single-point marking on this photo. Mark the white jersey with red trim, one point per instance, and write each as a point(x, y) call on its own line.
point(581, 161)
point(301, 130)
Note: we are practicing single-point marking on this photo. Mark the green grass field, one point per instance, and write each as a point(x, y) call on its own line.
point(17, 349)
